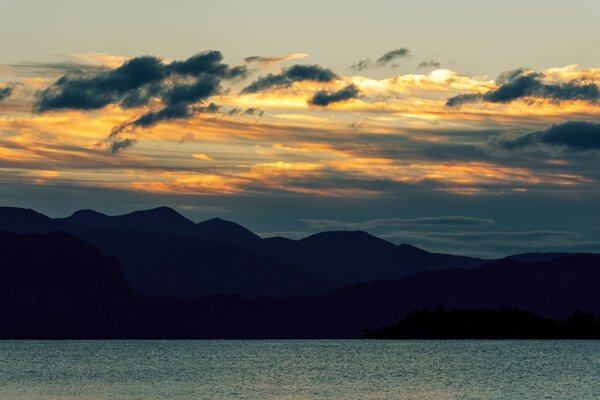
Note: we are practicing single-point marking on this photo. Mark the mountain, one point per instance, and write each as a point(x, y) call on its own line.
point(164, 220)
point(56, 286)
point(533, 257)
point(188, 266)
point(156, 262)
point(25, 220)
point(164, 253)
point(347, 257)
point(156, 220)
point(220, 230)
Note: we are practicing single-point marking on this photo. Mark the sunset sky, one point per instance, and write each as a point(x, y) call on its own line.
point(458, 126)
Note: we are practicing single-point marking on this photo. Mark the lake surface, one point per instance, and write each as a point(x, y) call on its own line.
point(311, 369)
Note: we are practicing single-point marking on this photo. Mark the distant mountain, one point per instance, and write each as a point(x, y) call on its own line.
point(157, 220)
point(220, 230)
point(56, 286)
point(25, 220)
point(164, 253)
point(344, 257)
point(188, 266)
point(157, 261)
point(533, 257)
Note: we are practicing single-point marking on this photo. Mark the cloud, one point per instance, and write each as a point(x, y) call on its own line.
point(495, 243)
point(445, 220)
point(392, 55)
point(181, 86)
point(137, 82)
point(461, 99)
point(295, 73)
point(119, 145)
point(570, 135)
point(251, 111)
point(6, 91)
point(362, 65)
point(272, 60)
point(323, 98)
point(382, 61)
point(30, 69)
point(429, 64)
point(520, 83)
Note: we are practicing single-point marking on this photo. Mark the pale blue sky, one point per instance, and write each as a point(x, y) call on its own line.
point(477, 37)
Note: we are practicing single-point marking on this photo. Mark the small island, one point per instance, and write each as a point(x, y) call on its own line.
point(508, 323)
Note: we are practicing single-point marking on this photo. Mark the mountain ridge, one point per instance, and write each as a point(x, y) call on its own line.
point(164, 253)
point(55, 286)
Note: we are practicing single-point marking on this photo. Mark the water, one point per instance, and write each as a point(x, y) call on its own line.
point(174, 370)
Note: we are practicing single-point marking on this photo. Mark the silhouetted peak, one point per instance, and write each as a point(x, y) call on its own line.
point(87, 216)
point(21, 212)
point(216, 220)
point(87, 213)
point(218, 229)
point(161, 216)
point(163, 211)
point(24, 220)
point(346, 238)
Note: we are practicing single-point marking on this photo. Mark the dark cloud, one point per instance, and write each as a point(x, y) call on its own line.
point(119, 145)
point(6, 91)
point(181, 86)
point(382, 61)
point(520, 83)
point(392, 55)
point(461, 99)
point(271, 60)
point(324, 98)
point(255, 111)
point(140, 80)
point(445, 220)
point(429, 64)
point(296, 73)
point(571, 135)
point(362, 65)
point(259, 59)
point(97, 90)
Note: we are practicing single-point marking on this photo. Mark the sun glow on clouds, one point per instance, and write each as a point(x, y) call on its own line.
point(398, 132)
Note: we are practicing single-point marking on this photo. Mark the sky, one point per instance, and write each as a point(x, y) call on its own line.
point(467, 127)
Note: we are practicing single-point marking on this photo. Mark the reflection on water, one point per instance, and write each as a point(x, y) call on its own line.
point(311, 369)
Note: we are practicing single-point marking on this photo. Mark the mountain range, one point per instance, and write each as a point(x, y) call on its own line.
point(55, 285)
point(163, 253)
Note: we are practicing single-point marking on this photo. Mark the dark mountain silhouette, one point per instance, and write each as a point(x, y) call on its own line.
point(533, 257)
point(157, 220)
point(25, 220)
point(344, 257)
point(164, 263)
point(188, 266)
point(220, 230)
point(164, 220)
point(164, 253)
point(56, 286)
point(507, 323)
